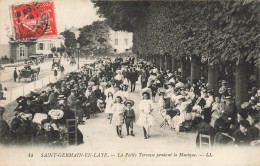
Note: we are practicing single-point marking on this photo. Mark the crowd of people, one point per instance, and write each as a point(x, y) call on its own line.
point(187, 105)
point(105, 86)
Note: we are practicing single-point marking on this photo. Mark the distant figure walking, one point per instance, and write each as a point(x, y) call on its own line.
point(15, 75)
point(55, 71)
point(62, 70)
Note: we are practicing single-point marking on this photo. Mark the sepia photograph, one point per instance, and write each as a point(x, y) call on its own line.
point(128, 82)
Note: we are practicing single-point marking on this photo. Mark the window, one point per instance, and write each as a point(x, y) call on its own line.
point(126, 42)
point(116, 41)
point(40, 46)
point(115, 50)
point(22, 52)
point(50, 45)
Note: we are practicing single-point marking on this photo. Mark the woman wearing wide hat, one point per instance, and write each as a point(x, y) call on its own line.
point(146, 119)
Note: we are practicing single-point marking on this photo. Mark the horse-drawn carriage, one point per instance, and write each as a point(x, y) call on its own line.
point(56, 62)
point(72, 61)
point(29, 74)
point(35, 59)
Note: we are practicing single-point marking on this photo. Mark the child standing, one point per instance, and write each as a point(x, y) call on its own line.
point(146, 119)
point(118, 116)
point(109, 105)
point(129, 116)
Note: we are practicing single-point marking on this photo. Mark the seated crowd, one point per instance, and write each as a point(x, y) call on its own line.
point(187, 106)
point(41, 117)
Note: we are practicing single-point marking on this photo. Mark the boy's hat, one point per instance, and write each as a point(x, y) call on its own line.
point(129, 102)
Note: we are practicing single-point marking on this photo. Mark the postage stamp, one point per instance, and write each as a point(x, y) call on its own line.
point(33, 20)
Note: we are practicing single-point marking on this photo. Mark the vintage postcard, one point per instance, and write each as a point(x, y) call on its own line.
point(167, 82)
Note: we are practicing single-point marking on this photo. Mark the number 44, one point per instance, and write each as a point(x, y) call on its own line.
point(30, 155)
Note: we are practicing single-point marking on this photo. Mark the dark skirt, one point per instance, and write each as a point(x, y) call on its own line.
point(55, 73)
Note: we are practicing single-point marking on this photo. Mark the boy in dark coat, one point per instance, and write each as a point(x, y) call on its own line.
point(129, 116)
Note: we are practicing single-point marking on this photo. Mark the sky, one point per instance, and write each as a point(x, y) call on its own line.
point(68, 13)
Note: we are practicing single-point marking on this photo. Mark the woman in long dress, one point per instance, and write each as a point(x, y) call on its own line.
point(118, 116)
point(109, 105)
point(123, 92)
point(146, 119)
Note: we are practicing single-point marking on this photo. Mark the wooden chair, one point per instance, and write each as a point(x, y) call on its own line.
point(72, 129)
point(203, 136)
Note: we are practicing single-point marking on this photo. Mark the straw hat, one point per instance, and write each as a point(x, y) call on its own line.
point(146, 90)
point(129, 102)
point(56, 114)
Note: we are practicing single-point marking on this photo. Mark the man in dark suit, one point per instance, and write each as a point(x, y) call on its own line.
point(15, 75)
point(133, 78)
point(241, 137)
point(91, 106)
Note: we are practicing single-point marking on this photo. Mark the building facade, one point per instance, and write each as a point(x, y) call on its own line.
point(45, 44)
point(121, 41)
point(21, 50)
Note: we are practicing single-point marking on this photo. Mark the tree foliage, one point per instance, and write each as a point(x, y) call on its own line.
point(94, 38)
point(53, 49)
point(61, 49)
point(122, 15)
point(70, 39)
point(220, 31)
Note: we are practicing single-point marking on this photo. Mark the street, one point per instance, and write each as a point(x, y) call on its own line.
point(99, 134)
point(7, 75)
point(16, 89)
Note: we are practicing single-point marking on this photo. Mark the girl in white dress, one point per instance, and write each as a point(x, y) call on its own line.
point(146, 119)
point(109, 105)
point(118, 116)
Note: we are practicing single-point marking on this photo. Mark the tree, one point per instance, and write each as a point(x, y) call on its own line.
point(53, 50)
point(94, 38)
point(226, 33)
point(61, 50)
point(70, 41)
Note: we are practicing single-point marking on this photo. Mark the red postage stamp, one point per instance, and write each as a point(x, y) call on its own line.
point(34, 20)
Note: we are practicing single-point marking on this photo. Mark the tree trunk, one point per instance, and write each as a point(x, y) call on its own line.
point(161, 61)
point(165, 61)
point(195, 71)
point(213, 77)
point(174, 64)
point(168, 62)
point(156, 60)
point(258, 80)
point(242, 80)
point(184, 69)
point(258, 77)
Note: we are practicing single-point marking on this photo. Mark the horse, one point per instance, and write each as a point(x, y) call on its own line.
point(36, 72)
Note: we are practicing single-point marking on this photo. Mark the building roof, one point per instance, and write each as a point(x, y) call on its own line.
point(23, 41)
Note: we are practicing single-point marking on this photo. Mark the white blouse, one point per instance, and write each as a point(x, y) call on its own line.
point(146, 106)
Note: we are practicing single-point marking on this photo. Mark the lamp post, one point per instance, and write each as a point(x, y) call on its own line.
point(78, 47)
